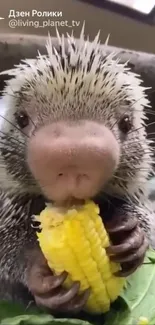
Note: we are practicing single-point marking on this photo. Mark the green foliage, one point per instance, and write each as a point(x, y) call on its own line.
point(136, 300)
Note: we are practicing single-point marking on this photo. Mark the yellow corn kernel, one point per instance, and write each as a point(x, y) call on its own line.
point(74, 240)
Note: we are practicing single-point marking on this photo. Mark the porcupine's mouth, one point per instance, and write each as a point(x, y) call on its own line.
point(70, 203)
point(76, 203)
point(106, 204)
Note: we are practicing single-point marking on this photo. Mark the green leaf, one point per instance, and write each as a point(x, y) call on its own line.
point(12, 309)
point(14, 314)
point(41, 320)
point(28, 320)
point(139, 296)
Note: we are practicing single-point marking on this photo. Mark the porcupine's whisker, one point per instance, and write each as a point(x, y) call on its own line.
point(126, 197)
point(151, 123)
point(14, 95)
point(10, 137)
point(146, 110)
point(17, 97)
point(130, 141)
point(153, 113)
point(118, 178)
point(115, 176)
point(103, 192)
point(31, 121)
point(133, 175)
point(134, 150)
point(13, 152)
point(120, 164)
point(121, 179)
point(126, 194)
point(149, 91)
point(14, 126)
point(14, 142)
point(117, 121)
point(115, 196)
point(48, 184)
point(139, 182)
point(123, 163)
point(134, 130)
point(138, 167)
point(124, 113)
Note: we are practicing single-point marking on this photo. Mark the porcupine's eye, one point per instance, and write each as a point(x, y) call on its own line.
point(22, 119)
point(125, 124)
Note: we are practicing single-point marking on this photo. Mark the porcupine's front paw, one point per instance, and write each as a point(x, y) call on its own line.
point(129, 244)
point(48, 291)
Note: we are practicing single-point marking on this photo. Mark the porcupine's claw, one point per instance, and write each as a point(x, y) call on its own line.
point(76, 304)
point(57, 297)
point(63, 300)
point(129, 244)
point(49, 293)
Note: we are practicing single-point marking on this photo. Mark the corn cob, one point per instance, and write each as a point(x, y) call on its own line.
point(74, 240)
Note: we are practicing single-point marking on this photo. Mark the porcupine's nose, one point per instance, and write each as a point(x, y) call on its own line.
point(72, 160)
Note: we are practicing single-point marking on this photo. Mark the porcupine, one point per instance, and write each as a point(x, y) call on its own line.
point(74, 128)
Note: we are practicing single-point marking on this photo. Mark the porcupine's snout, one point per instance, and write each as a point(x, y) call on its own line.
point(72, 160)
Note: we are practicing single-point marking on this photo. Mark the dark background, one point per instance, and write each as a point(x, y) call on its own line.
point(124, 31)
